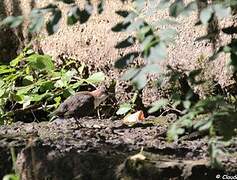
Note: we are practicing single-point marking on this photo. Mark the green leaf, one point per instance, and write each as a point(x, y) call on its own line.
point(12, 76)
point(131, 17)
point(176, 8)
point(19, 98)
point(134, 26)
point(158, 52)
point(147, 43)
point(11, 177)
point(225, 123)
point(174, 132)
point(60, 83)
point(73, 15)
point(179, 131)
point(139, 4)
point(129, 74)
point(81, 68)
point(152, 68)
point(201, 122)
point(88, 7)
point(28, 51)
point(96, 78)
point(46, 86)
point(24, 89)
point(144, 32)
point(37, 20)
point(27, 80)
point(68, 92)
point(189, 8)
point(2, 88)
point(55, 74)
point(57, 101)
point(165, 21)
point(233, 3)
point(168, 35)
point(39, 97)
point(69, 63)
point(222, 11)
point(163, 4)
point(77, 84)
point(100, 6)
point(186, 120)
point(26, 101)
point(68, 75)
point(16, 61)
point(215, 152)
point(205, 126)
point(12, 21)
point(4, 69)
point(124, 108)
point(125, 60)
point(206, 15)
point(1, 83)
point(151, 8)
point(187, 104)
point(140, 80)
point(161, 103)
point(2, 92)
point(41, 62)
point(53, 23)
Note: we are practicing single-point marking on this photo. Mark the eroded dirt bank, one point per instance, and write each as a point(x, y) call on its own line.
point(102, 149)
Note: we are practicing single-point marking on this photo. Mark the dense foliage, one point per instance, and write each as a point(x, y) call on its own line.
point(215, 114)
point(31, 84)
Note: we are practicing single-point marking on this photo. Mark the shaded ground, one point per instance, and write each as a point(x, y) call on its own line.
point(102, 149)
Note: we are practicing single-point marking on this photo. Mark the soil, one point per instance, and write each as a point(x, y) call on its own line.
point(105, 149)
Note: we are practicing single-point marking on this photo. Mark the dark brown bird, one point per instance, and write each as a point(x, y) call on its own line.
point(81, 103)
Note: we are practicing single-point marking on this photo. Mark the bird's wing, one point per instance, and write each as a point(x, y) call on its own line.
point(79, 103)
point(60, 110)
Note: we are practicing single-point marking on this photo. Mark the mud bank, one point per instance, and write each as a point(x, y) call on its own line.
point(104, 149)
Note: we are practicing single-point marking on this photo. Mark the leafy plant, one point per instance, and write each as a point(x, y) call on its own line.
point(32, 82)
point(153, 44)
point(217, 114)
point(128, 106)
